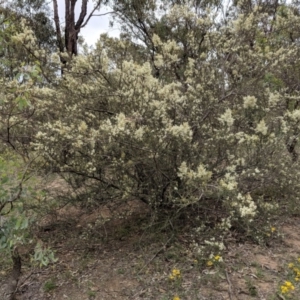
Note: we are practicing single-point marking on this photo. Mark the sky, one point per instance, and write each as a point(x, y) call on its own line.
point(95, 26)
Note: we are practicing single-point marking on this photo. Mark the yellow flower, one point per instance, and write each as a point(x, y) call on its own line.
point(296, 271)
point(176, 272)
point(217, 257)
point(287, 287)
point(283, 289)
point(209, 263)
point(291, 265)
point(176, 298)
point(273, 229)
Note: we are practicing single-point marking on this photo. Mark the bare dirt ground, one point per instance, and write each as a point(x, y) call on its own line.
point(103, 258)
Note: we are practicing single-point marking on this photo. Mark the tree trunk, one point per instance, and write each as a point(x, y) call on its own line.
point(15, 274)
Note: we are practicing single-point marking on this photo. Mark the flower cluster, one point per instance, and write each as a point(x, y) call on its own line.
point(287, 287)
point(245, 206)
point(295, 267)
point(175, 274)
point(214, 259)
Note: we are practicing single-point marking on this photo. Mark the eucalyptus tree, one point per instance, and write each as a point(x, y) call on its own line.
point(68, 42)
point(53, 29)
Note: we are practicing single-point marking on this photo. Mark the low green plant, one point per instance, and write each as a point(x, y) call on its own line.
point(251, 288)
point(49, 285)
point(91, 294)
point(16, 197)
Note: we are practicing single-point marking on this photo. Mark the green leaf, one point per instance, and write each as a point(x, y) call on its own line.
point(3, 242)
point(24, 223)
point(18, 223)
point(22, 102)
point(4, 179)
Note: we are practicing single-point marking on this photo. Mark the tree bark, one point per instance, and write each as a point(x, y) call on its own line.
point(72, 27)
point(57, 27)
point(15, 274)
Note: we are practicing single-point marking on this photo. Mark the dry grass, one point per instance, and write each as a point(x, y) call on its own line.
point(104, 257)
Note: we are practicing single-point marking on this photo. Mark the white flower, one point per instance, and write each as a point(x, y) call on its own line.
point(273, 99)
point(202, 173)
point(121, 121)
point(183, 130)
point(183, 170)
point(139, 133)
point(227, 118)
point(229, 182)
point(248, 209)
point(82, 126)
point(295, 115)
point(250, 102)
point(159, 61)
point(262, 128)
point(156, 40)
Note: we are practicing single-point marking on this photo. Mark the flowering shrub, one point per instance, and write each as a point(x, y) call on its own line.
point(209, 122)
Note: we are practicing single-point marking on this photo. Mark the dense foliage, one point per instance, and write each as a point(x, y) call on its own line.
point(189, 109)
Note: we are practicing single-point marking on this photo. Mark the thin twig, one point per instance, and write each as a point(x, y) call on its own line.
point(229, 285)
point(26, 278)
point(19, 192)
point(104, 14)
point(161, 249)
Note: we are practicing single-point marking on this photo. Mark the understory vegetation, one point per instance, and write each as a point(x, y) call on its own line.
point(193, 112)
